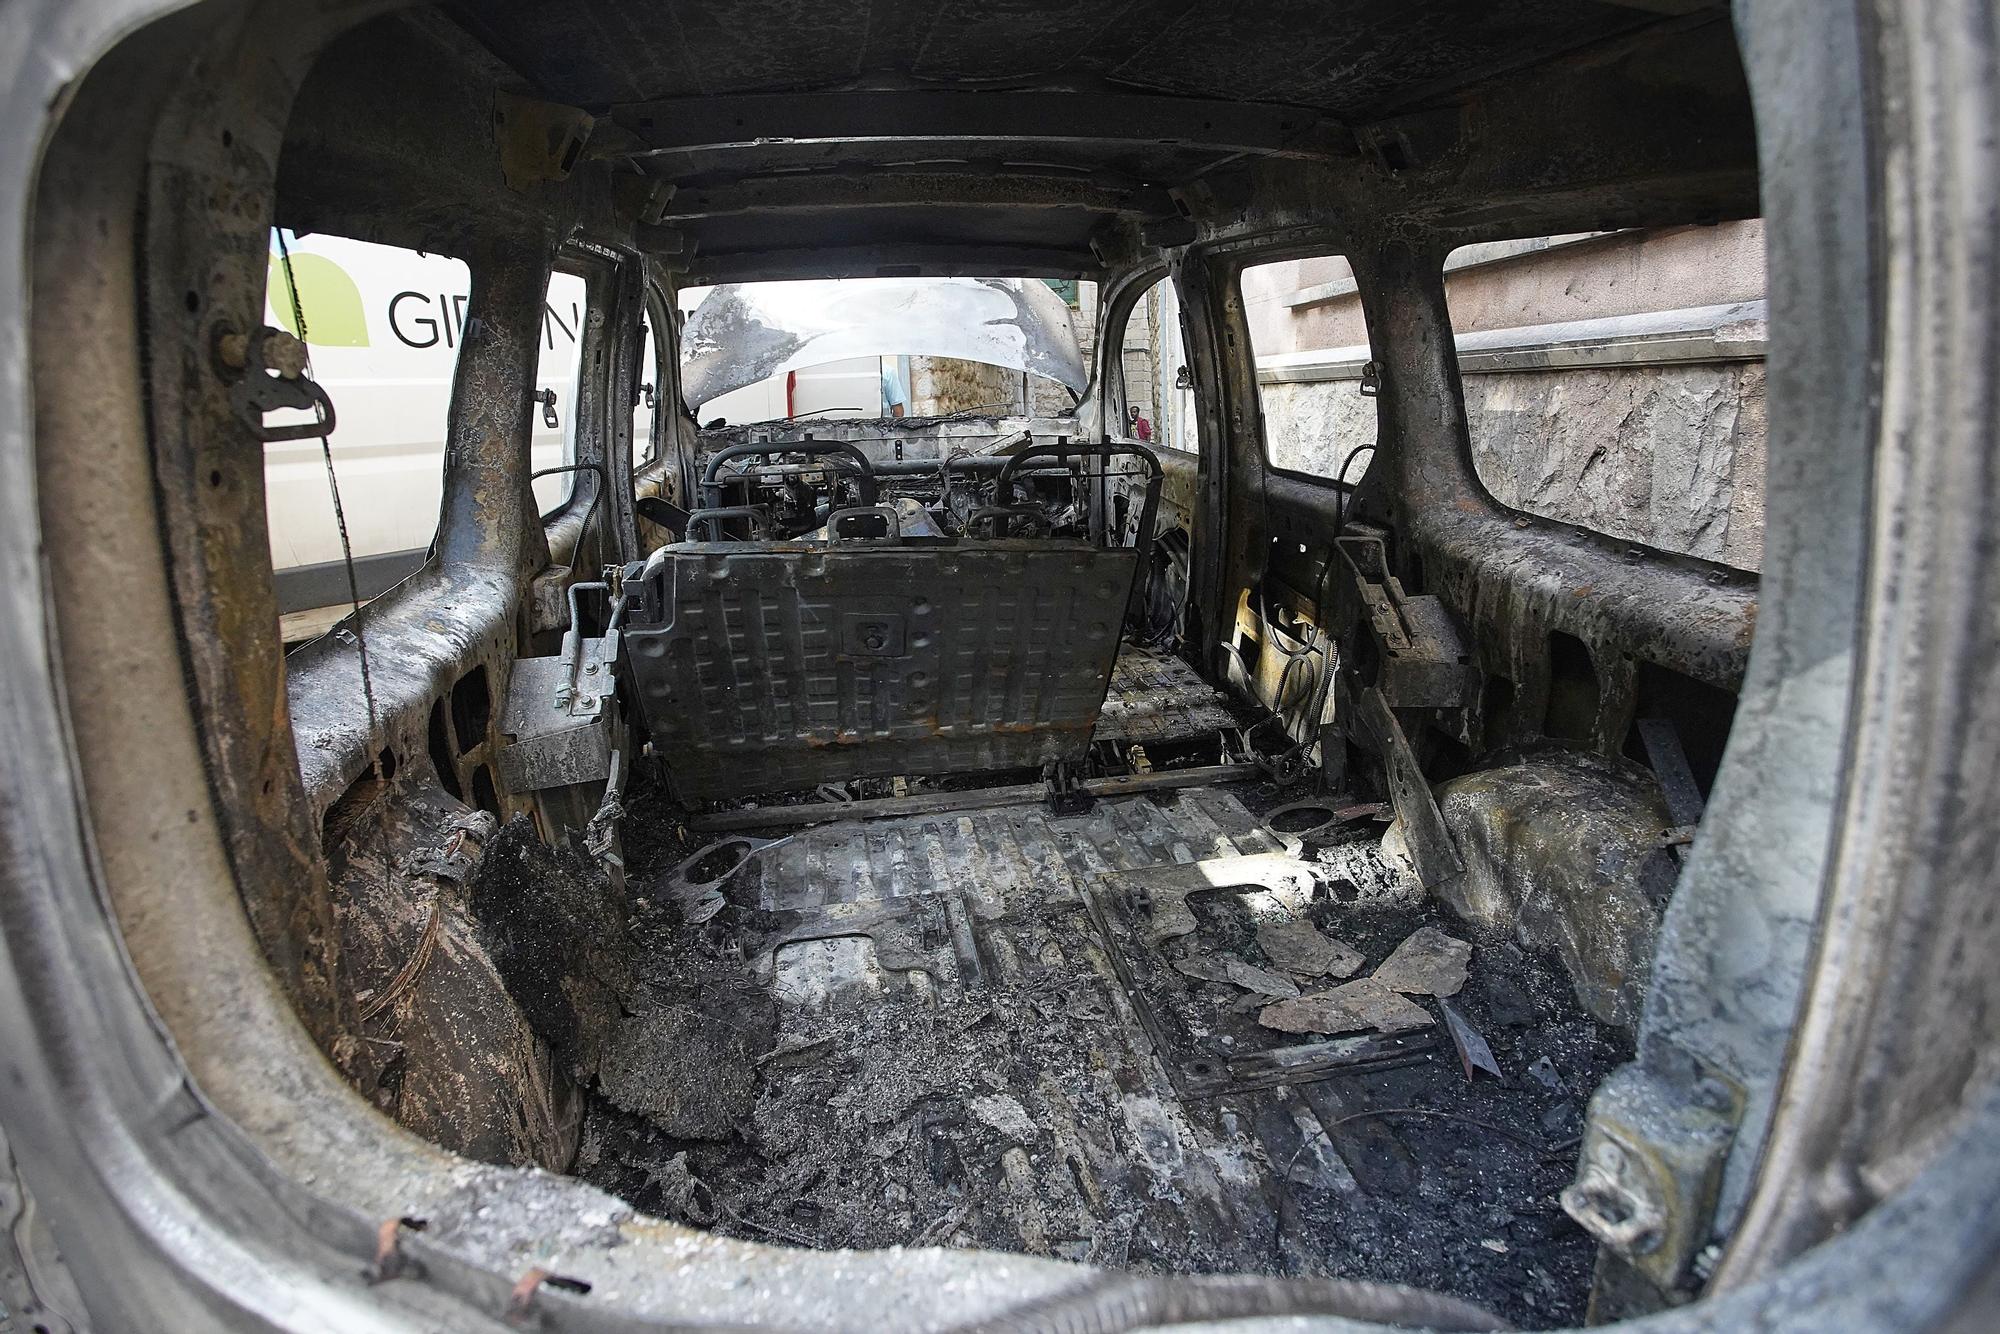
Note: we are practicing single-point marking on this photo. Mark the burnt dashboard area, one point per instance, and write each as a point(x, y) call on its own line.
point(913, 487)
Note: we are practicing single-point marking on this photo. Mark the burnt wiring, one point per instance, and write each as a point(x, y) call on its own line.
point(1311, 638)
point(1340, 481)
point(375, 750)
point(590, 507)
point(1288, 764)
point(1312, 635)
point(339, 514)
point(1172, 628)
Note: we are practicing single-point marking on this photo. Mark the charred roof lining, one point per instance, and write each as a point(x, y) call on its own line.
point(1362, 62)
point(895, 165)
point(745, 123)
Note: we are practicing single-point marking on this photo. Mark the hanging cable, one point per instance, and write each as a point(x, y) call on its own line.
point(1346, 500)
point(590, 507)
point(339, 518)
point(1340, 480)
point(422, 955)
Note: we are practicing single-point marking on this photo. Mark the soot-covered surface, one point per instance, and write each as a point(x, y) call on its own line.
point(953, 1030)
point(1157, 697)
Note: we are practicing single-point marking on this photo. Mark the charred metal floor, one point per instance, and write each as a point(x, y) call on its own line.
point(1157, 698)
point(998, 1028)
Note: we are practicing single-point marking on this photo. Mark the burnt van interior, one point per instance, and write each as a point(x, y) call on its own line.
point(984, 866)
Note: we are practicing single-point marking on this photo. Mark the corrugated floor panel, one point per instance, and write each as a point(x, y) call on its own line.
point(1008, 860)
point(1155, 697)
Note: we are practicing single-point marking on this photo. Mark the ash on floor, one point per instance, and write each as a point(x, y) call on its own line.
point(951, 1030)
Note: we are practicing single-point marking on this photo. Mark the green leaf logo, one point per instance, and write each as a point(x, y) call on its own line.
point(329, 298)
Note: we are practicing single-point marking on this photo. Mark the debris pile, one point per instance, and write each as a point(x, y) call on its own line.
point(1248, 1095)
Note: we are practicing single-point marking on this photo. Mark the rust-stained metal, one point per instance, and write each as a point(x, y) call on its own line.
point(206, 234)
point(771, 666)
point(521, 1297)
point(1429, 840)
point(924, 803)
point(1422, 656)
point(1474, 1056)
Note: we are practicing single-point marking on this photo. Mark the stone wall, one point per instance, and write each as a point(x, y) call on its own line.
point(1506, 285)
point(1668, 455)
point(1311, 427)
point(941, 385)
point(1671, 456)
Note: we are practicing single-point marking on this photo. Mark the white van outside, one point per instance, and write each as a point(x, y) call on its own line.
point(383, 325)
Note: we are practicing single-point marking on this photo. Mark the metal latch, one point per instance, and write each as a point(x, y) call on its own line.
point(547, 398)
point(1067, 794)
point(270, 367)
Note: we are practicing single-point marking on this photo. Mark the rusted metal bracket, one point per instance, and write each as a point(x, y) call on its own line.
point(270, 369)
point(1650, 1170)
point(561, 711)
point(1425, 655)
point(1670, 766)
point(1430, 842)
point(1067, 794)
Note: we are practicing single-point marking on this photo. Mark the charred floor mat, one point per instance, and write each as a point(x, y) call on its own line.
point(1156, 698)
point(1151, 1036)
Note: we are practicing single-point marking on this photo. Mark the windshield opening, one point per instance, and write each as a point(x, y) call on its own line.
point(874, 348)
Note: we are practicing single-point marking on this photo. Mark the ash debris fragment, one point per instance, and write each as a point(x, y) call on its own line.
point(1349, 1008)
point(1206, 967)
point(1004, 1113)
point(1259, 980)
point(1427, 963)
point(556, 930)
point(691, 1073)
point(1297, 946)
